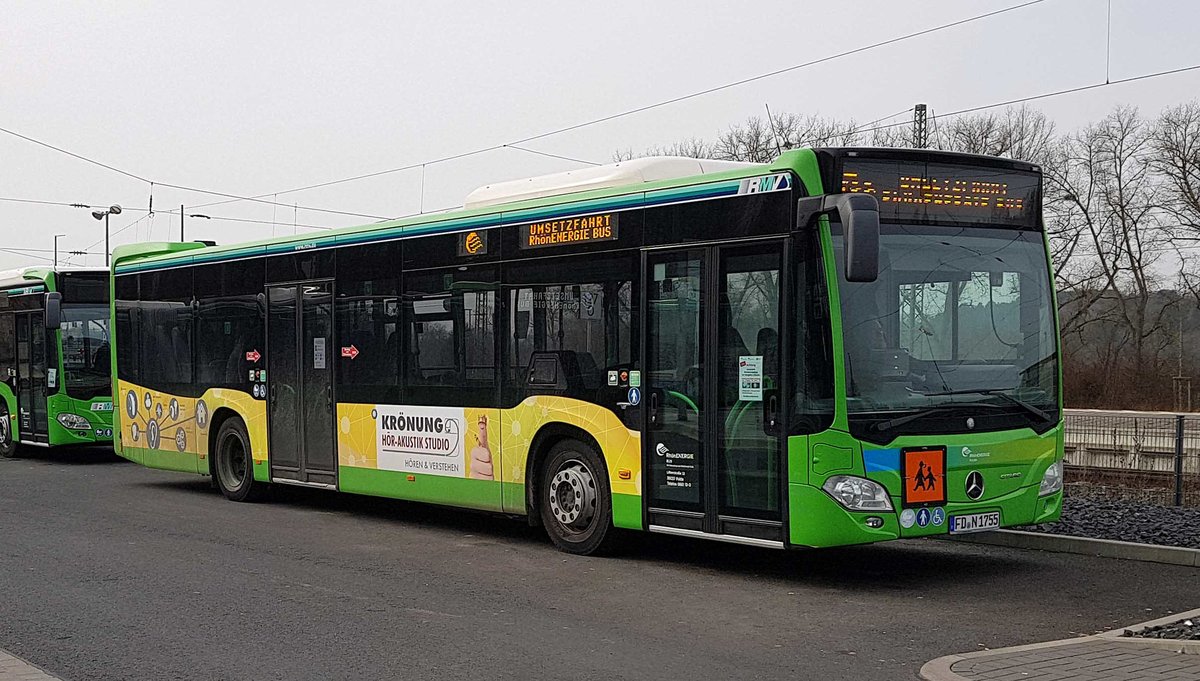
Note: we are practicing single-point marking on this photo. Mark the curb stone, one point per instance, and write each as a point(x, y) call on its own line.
point(13, 668)
point(941, 669)
point(1104, 548)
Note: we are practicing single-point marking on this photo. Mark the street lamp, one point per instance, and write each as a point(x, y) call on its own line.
point(56, 236)
point(191, 215)
point(102, 214)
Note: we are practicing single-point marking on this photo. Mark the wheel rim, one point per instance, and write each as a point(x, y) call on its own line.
point(231, 462)
point(5, 428)
point(572, 496)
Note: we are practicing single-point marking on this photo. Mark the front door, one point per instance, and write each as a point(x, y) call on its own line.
point(300, 383)
point(712, 391)
point(32, 377)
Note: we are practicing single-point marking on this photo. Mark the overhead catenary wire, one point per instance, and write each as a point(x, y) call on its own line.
point(516, 145)
point(654, 105)
point(180, 187)
point(14, 251)
point(1045, 95)
point(951, 114)
point(550, 155)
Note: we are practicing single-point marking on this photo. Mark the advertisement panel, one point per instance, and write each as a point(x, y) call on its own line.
point(446, 441)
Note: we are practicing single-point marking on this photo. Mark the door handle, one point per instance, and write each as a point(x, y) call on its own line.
point(653, 407)
point(329, 398)
point(771, 415)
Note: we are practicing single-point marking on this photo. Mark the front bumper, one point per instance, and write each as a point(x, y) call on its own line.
point(816, 520)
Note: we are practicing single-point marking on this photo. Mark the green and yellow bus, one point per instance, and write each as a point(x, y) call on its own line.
point(55, 366)
point(839, 347)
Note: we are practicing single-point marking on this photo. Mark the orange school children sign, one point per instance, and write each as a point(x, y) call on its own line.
point(924, 476)
point(601, 227)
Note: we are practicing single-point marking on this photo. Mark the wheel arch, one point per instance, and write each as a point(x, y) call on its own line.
point(547, 436)
point(215, 421)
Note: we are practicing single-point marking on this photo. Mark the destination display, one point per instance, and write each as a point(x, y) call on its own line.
point(561, 232)
point(933, 192)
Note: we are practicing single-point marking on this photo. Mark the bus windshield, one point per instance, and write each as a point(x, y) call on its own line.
point(85, 350)
point(958, 324)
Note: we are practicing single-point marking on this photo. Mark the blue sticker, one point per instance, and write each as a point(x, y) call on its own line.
point(635, 396)
point(939, 516)
point(923, 517)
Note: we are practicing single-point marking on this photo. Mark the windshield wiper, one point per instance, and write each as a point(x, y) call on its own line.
point(929, 411)
point(996, 392)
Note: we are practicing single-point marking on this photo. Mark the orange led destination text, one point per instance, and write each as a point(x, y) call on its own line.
point(938, 191)
point(570, 231)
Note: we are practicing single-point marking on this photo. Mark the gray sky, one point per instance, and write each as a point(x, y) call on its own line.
point(258, 97)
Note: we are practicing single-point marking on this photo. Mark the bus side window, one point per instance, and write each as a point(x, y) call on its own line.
point(449, 317)
point(127, 331)
point(577, 312)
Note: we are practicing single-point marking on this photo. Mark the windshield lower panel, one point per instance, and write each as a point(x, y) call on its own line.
point(957, 333)
point(85, 350)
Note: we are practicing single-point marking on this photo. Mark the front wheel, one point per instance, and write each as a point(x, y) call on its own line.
point(232, 463)
point(8, 442)
point(575, 504)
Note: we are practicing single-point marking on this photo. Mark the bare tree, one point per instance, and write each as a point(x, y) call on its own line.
point(1176, 139)
point(1020, 133)
point(692, 147)
point(758, 141)
point(1114, 305)
point(1177, 160)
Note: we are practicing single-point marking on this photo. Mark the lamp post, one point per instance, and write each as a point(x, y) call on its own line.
point(102, 214)
point(56, 236)
point(190, 215)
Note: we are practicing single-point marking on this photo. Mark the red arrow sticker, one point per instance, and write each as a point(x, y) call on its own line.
point(350, 352)
point(253, 356)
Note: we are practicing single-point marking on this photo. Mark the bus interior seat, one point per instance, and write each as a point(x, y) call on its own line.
point(556, 372)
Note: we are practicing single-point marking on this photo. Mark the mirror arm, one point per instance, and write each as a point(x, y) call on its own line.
point(859, 215)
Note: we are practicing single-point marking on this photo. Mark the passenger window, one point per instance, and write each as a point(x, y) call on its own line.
point(577, 312)
point(450, 317)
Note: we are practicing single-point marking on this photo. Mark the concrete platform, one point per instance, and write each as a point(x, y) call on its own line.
point(1105, 657)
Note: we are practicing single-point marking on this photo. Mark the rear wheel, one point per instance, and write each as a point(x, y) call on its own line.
point(233, 467)
point(8, 443)
point(575, 504)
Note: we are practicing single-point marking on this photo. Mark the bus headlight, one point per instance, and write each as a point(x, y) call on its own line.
point(858, 494)
point(1052, 481)
point(74, 422)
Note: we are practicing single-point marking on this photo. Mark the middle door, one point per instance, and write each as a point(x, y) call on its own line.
point(300, 338)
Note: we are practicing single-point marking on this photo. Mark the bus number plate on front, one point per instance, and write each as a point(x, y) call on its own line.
point(975, 522)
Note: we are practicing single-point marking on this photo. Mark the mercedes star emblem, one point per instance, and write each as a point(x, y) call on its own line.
point(974, 485)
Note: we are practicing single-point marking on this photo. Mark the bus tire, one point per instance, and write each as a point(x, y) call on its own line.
point(575, 503)
point(8, 443)
point(233, 467)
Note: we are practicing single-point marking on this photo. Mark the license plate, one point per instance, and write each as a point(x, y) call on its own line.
point(975, 522)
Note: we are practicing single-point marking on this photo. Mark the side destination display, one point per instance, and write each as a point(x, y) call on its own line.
point(601, 227)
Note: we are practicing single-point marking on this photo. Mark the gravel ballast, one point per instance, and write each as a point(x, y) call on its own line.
point(1184, 630)
point(1127, 521)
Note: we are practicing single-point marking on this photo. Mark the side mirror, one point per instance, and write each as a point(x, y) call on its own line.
point(53, 310)
point(859, 215)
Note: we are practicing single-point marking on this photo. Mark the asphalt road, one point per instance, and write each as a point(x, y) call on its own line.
point(112, 571)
